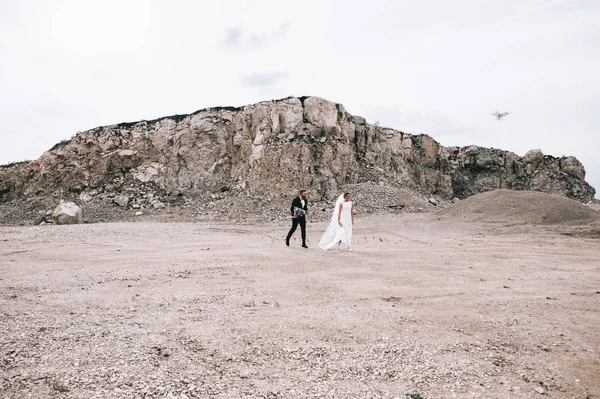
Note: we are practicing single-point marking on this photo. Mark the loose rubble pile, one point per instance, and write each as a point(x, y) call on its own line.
point(509, 206)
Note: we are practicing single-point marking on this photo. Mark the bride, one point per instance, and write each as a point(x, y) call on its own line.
point(340, 228)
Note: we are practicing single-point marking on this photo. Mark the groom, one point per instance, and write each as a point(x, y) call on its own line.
point(298, 210)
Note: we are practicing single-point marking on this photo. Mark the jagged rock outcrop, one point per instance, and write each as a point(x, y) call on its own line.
point(269, 150)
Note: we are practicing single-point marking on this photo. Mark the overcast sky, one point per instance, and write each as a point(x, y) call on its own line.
point(432, 66)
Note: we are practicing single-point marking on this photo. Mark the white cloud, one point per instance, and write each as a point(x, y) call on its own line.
point(264, 79)
point(233, 38)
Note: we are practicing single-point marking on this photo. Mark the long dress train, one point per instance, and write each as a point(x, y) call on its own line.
point(334, 233)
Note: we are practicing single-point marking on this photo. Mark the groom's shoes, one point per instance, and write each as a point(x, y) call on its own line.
point(304, 246)
point(287, 242)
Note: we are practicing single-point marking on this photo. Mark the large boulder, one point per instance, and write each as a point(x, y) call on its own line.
point(573, 167)
point(533, 157)
point(67, 213)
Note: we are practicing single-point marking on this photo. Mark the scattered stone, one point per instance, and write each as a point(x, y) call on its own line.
point(540, 390)
point(85, 197)
point(158, 205)
point(121, 200)
point(39, 220)
point(127, 153)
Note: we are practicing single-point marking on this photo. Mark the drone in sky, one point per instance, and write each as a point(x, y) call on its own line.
point(500, 115)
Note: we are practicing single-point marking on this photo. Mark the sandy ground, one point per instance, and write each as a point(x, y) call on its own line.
point(426, 307)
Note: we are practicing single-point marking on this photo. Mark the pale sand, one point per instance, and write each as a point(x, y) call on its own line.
point(425, 305)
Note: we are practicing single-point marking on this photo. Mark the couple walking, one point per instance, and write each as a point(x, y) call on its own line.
point(339, 230)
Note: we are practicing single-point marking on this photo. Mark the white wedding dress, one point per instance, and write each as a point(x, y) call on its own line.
point(336, 233)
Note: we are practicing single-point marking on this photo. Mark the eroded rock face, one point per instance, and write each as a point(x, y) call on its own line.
point(269, 150)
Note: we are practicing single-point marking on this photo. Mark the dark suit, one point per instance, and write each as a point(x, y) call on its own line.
point(298, 220)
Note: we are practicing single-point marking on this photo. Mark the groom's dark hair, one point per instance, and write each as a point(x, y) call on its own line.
point(302, 191)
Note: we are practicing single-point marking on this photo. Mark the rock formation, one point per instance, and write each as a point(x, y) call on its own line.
point(266, 151)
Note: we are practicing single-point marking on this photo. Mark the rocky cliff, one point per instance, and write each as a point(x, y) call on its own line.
point(266, 151)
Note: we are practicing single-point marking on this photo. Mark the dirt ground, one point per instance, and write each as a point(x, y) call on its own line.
point(426, 306)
